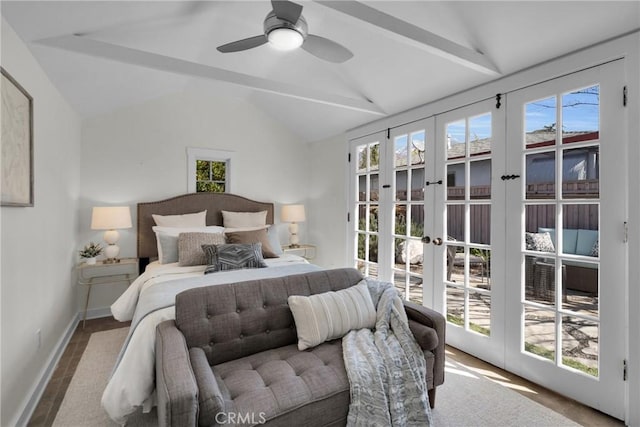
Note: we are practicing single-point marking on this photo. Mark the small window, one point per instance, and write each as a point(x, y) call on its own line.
point(209, 170)
point(211, 176)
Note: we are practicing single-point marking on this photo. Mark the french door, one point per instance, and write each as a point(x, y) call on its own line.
point(510, 220)
point(565, 247)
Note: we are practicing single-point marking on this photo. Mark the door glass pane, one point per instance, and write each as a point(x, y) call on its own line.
point(580, 344)
point(540, 332)
point(480, 224)
point(581, 115)
point(362, 158)
point(374, 183)
point(417, 148)
point(362, 246)
point(540, 219)
point(480, 313)
point(456, 137)
point(581, 173)
point(400, 151)
point(480, 176)
point(479, 268)
point(362, 220)
point(373, 218)
point(540, 279)
point(362, 188)
point(455, 305)
point(401, 220)
point(541, 175)
point(373, 248)
point(580, 235)
point(455, 222)
point(417, 221)
point(455, 264)
point(401, 185)
point(374, 157)
point(417, 184)
point(581, 287)
point(540, 123)
point(480, 135)
point(455, 181)
point(400, 281)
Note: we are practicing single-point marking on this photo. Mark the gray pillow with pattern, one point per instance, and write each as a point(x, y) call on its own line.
point(233, 257)
point(540, 242)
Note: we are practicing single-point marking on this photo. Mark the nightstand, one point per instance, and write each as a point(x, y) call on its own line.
point(105, 273)
point(306, 251)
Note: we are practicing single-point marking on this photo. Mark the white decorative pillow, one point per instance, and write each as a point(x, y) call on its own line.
point(198, 219)
point(539, 242)
point(167, 240)
point(244, 219)
point(190, 247)
point(327, 316)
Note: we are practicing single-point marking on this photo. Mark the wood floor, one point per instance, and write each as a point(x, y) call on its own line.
point(49, 404)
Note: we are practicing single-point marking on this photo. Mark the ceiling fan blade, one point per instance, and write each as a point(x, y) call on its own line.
point(243, 44)
point(287, 10)
point(326, 49)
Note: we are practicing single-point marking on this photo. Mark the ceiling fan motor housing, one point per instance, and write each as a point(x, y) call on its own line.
point(272, 22)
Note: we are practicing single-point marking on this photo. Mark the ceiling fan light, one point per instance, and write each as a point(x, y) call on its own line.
point(285, 39)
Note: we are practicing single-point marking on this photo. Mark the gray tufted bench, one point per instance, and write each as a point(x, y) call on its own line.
point(231, 356)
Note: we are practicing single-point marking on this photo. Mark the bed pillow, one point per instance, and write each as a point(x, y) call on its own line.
point(539, 242)
point(274, 240)
point(198, 219)
point(190, 247)
point(253, 236)
point(244, 219)
point(327, 316)
point(167, 240)
point(233, 257)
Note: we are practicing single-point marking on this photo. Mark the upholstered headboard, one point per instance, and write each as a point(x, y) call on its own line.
point(214, 203)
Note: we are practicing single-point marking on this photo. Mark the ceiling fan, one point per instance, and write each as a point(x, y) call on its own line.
point(286, 29)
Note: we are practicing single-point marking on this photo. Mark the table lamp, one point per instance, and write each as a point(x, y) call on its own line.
point(111, 219)
point(293, 214)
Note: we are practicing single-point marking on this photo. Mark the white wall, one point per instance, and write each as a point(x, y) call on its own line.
point(138, 154)
point(327, 205)
point(38, 243)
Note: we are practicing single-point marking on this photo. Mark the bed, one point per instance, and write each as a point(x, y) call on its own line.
point(150, 298)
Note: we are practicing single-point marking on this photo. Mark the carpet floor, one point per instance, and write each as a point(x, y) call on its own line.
point(465, 399)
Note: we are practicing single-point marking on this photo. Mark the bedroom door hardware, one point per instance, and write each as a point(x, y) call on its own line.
point(426, 239)
point(438, 182)
point(507, 177)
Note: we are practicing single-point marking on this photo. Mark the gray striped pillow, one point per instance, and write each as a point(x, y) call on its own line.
point(233, 257)
point(327, 316)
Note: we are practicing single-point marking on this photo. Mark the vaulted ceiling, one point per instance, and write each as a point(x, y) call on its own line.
point(104, 55)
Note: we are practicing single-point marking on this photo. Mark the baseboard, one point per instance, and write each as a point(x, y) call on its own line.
point(45, 375)
point(96, 313)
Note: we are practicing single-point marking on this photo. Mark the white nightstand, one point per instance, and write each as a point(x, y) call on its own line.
point(105, 273)
point(306, 251)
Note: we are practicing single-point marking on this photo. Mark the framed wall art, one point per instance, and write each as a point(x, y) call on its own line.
point(16, 180)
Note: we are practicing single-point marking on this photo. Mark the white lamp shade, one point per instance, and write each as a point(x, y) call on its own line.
point(111, 218)
point(293, 213)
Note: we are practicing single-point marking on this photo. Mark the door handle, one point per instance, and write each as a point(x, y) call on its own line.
point(437, 241)
point(426, 239)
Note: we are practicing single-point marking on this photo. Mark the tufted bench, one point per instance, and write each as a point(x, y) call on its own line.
point(231, 356)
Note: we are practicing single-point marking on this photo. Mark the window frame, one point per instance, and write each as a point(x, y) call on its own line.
point(209, 155)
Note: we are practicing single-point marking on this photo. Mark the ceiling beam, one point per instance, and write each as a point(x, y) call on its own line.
point(87, 46)
point(406, 32)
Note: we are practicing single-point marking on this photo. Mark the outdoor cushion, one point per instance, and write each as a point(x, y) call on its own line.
point(569, 238)
point(586, 240)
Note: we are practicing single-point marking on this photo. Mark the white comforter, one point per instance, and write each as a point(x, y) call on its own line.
point(132, 383)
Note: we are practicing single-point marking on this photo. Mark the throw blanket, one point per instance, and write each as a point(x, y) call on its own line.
point(386, 367)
